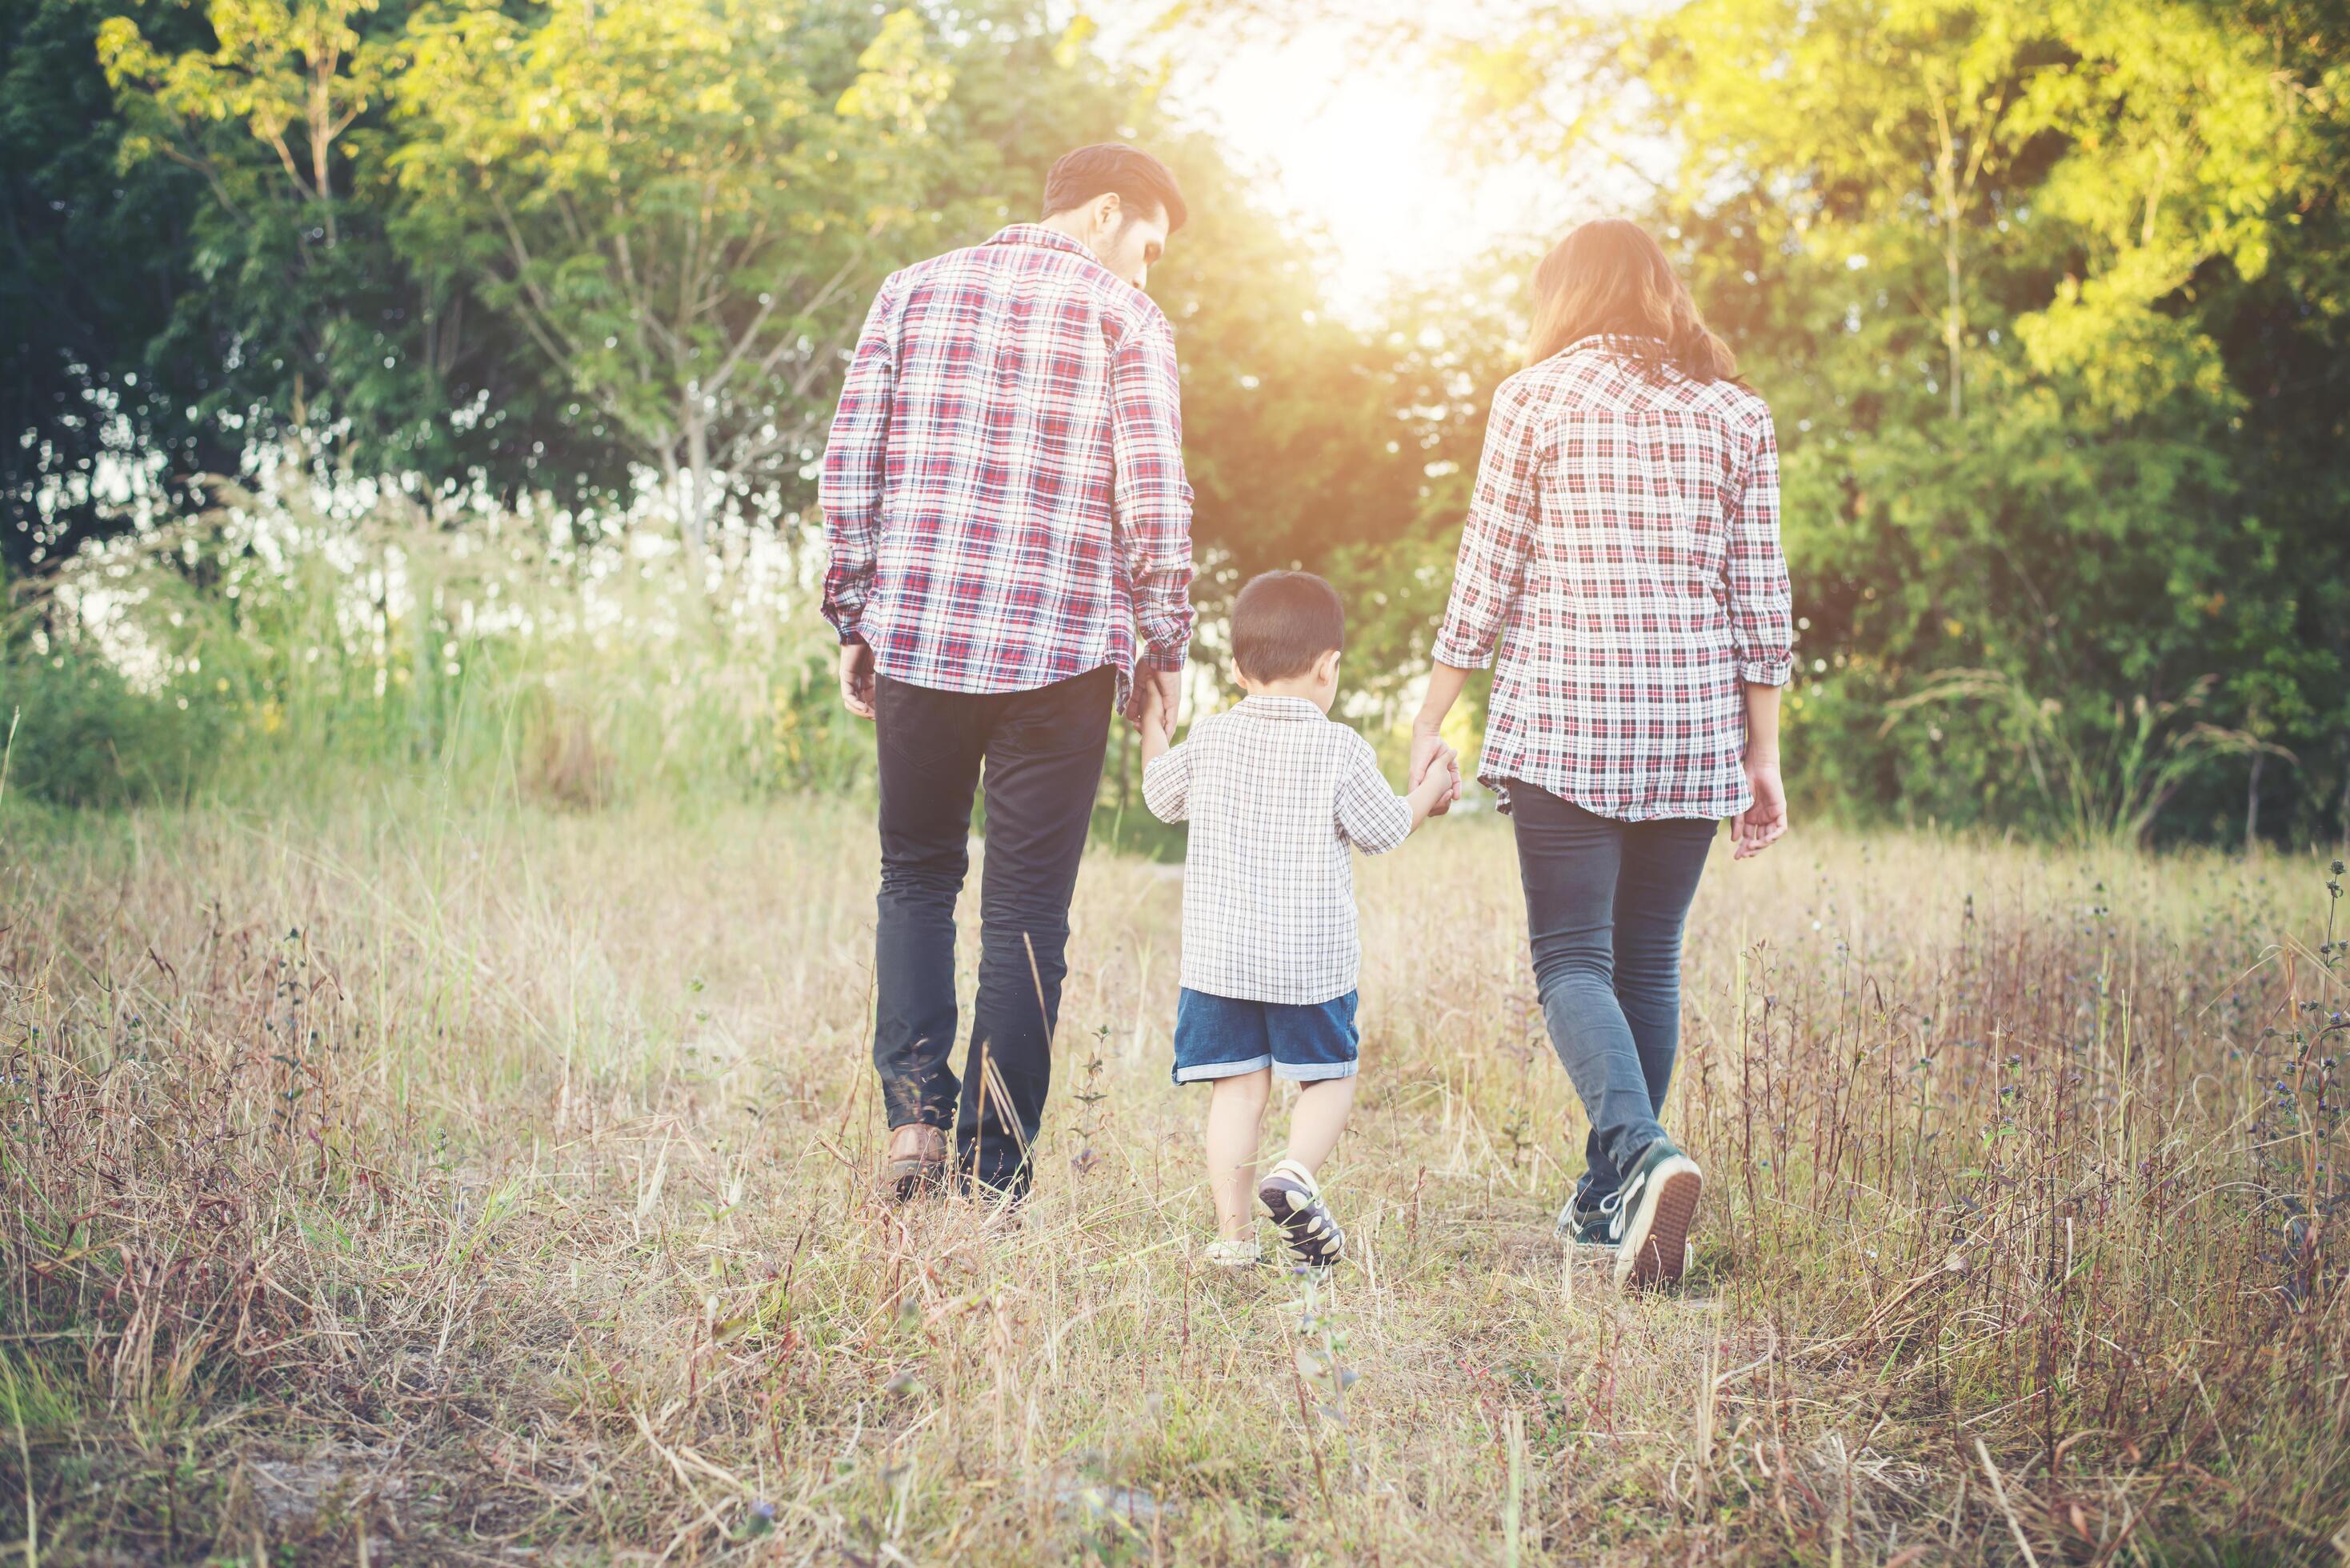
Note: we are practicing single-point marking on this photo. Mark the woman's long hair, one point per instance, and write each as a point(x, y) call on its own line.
point(1608, 277)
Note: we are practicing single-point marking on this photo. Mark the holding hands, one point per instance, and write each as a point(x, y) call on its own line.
point(1156, 704)
point(1435, 778)
point(1430, 757)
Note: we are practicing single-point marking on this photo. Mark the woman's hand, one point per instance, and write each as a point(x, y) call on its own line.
point(1431, 755)
point(1759, 827)
point(1444, 684)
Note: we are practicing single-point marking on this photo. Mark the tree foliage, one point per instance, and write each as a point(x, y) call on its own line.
point(683, 203)
point(2049, 300)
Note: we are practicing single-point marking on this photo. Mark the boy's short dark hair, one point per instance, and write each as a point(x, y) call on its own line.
point(1141, 180)
point(1283, 622)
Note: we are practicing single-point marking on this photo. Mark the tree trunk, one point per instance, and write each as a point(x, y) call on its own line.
point(2252, 805)
point(693, 518)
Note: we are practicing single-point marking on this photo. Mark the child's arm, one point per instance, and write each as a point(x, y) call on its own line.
point(1166, 773)
point(1371, 816)
point(1153, 725)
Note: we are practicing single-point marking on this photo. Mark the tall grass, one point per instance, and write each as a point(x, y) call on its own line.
point(441, 1185)
point(309, 635)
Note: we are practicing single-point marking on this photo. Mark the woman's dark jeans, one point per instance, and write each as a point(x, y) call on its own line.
point(1605, 901)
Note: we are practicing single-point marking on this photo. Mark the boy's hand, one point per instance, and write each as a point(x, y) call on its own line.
point(1158, 692)
point(1440, 779)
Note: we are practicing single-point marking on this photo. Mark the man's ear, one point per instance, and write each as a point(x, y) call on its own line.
point(1106, 209)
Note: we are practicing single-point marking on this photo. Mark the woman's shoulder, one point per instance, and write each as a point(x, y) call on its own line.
point(1740, 402)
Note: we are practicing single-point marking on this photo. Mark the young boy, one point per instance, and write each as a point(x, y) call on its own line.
point(1276, 792)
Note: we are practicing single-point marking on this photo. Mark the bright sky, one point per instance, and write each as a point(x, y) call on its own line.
point(1358, 151)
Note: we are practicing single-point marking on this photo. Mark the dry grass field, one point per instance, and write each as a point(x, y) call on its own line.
point(408, 1183)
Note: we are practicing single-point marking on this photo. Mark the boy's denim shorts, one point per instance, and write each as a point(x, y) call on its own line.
point(1221, 1037)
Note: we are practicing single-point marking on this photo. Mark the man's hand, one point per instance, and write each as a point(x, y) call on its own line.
point(1759, 824)
point(1156, 697)
point(857, 678)
point(1428, 750)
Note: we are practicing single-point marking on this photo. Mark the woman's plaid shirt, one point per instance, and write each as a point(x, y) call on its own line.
point(1276, 793)
point(1622, 549)
point(1003, 490)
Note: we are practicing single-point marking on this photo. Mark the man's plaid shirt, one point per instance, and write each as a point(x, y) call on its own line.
point(1003, 490)
point(1622, 548)
point(1276, 792)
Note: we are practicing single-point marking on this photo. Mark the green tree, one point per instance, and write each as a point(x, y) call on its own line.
point(681, 202)
point(2018, 280)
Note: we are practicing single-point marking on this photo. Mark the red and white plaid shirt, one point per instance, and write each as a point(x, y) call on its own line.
point(1622, 549)
point(1003, 491)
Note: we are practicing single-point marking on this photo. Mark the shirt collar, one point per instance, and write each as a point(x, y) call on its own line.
point(1277, 706)
point(1639, 346)
point(1038, 234)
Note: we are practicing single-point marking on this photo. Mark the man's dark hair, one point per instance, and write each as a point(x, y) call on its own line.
point(1283, 622)
point(1141, 180)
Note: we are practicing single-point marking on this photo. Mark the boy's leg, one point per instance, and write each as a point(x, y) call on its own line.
point(1235, 1126)
point(1569, 859)
point(1220, 1041)
point(1316, 1047)
point(928, 744)
point(1044, 768)
point(1317, 1119)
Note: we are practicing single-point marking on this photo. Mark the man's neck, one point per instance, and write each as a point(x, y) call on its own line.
point(1065, 223)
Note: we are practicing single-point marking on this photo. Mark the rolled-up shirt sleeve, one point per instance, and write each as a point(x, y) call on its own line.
point(1153, 497)
point(1504, 513)
point(1371, 816)
point(1761, 608)
point(856, 457)
point(1166, 784)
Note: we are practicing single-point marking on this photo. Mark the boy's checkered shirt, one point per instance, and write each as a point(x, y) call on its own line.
point(1622, 551)
point(1276, 792)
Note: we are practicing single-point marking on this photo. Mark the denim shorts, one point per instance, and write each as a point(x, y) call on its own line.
point(1222, 1037)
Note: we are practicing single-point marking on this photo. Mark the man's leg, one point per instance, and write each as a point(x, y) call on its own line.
point(1568, 859)
point(1044, 769)
point(1662, 862)
point(929, 746)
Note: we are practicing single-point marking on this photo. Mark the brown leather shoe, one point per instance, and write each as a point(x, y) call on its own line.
point(916, 1166)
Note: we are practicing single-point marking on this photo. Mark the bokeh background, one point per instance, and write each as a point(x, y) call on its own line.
point(435, 386)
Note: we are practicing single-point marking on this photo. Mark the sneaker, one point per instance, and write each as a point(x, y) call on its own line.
point(1590, 1230)
point(1223, 1254)
point(1652, 1220)
point(1289, 1194)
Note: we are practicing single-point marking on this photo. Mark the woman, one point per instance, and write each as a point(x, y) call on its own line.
point(1622, 550)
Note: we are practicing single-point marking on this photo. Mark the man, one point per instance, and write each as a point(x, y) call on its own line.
point(1010, 535)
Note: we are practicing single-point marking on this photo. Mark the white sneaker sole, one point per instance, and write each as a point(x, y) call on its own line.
point(1655, 1249)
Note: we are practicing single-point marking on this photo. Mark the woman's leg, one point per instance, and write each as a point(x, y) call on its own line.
point(1570, 860)
point(1662, 862)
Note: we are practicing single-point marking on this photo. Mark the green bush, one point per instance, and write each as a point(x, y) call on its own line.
point(83, 737)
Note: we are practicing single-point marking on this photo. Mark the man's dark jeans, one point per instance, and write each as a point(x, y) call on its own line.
point(1041, 751)
point(1605, 902)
